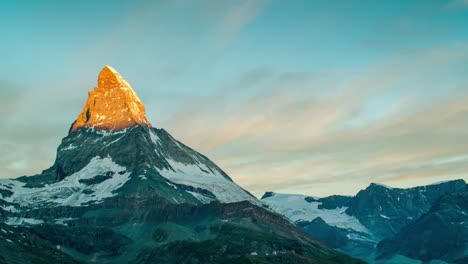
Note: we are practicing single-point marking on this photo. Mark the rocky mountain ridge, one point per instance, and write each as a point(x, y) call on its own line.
point(122, 191)
point(446, 220)
point(112, 105)
point(370, 224)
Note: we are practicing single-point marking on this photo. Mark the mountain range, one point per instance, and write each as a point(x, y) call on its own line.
point(386, 225)
point(123, 191)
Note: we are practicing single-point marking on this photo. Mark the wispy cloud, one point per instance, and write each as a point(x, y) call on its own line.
point(292, 123)
point(9, 96)
point(457, 4)
point(293, 131)
point(301, 131)
point(239, 15)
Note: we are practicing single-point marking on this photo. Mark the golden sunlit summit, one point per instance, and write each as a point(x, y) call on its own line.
point(112, 105)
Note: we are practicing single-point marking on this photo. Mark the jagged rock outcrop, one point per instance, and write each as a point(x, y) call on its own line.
point(441, 233)
point(112, 105)
point(386, 210)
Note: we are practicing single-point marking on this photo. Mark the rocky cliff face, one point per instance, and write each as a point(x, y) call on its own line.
point(441, 233)
point(409, 222)
point(112, 105)
point(121, 191)
point(386, 210)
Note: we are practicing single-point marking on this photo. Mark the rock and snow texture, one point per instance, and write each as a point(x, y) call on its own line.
point(102, 177)
point(96, 181)
point(112, 105)
point(18, 221)
point(111, 139)
point(297, 209)
point(199, 174)
point(201, 177)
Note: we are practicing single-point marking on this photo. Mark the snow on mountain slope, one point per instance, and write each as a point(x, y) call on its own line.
point(122, 191)
point(297, 209)
point(96, 181)
point(200, 176)
point(18, 221)
point(113, 125)
point(190, 168)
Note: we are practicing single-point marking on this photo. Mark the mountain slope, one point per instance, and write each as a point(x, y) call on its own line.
point(157, 160)
point(20, 245)
point(355, 225)
point(299, 208)
point(325, 219)
point(386, 210)
point(446, 221)
point(121, 191)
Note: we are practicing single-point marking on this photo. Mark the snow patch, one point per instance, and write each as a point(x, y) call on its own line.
point(70, 147)
point(201, 197)
point(384, 216)
point(62, 221)
point(360, 237)
point(172, 185)
point(108, 144)
point(106, 133)
point(200, 176)
point(9, 208)
point(154, 138)
point(70, 191)
point(294, 207)
point(17, 221)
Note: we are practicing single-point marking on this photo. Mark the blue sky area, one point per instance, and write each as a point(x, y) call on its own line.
point(314, 97)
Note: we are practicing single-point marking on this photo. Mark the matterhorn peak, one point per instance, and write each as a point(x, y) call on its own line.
point(109, 78)
point(112, 105)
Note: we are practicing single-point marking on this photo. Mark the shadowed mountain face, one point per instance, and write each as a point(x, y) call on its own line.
point(386, 210)
point(121, 191)
point(441, 233)
point(409, 222)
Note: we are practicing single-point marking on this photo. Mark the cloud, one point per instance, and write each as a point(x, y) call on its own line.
point(35, 119)
point(457, 4)
point(238, 16)
point(301, 132)
point(18, 165)
point(9, 96)
point(270, 129)
point(30, 129)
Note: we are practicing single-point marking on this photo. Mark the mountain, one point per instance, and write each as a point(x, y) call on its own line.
point(325, 219)
point(300, 208)
point(386, 210)
point(122, 191)
point(112, 105)
point(356, 225)
point(20, 245)
point(332, 236)
point(446, 221)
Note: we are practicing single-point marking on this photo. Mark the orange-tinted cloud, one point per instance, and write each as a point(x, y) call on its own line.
point(292, 136)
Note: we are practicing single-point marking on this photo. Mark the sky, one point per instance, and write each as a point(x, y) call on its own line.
point(310, 97)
